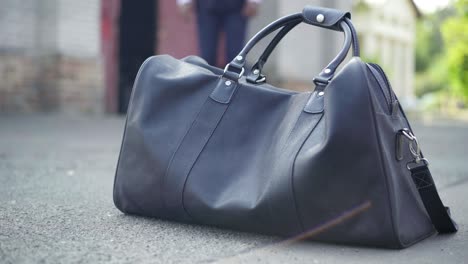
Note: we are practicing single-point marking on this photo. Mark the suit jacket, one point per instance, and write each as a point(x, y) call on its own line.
point(220, 6)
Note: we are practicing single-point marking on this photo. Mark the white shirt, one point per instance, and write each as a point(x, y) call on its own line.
point(183, 2)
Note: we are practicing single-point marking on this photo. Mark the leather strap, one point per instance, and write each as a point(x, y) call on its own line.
point(439, 214)
point(292, 143)
point(190, 148)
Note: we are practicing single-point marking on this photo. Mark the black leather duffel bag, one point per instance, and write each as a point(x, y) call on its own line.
point(222, 147)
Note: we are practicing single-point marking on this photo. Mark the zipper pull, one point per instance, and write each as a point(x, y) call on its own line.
point(399, 144)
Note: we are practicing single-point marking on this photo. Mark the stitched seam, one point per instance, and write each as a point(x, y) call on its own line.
point(193, 164)
point(130, 110)
point(163, 180)
point(296, 207)
point(282, 150)
point(386, 178)
point(421, 180)
point(382, 87)
point(423, 235)
point(290, 133)
point(203, 148)
point(424, 187)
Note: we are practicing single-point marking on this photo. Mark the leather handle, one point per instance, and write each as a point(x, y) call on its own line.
point(255, 74)
point(329, 71)
point(337, 21)
point(239, 61)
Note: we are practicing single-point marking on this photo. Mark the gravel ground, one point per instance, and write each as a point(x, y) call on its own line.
point(56, 175)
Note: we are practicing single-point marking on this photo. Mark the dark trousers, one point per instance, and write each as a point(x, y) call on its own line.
point(210, 25)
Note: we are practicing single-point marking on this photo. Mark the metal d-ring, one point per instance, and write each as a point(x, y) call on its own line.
point(413, 144)
point(414, 148)
point(415, 152)
point(227, 68)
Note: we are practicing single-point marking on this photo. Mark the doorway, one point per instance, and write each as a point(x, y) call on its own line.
point(136, 41)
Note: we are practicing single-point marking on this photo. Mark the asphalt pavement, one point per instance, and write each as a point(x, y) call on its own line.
point(56, 176)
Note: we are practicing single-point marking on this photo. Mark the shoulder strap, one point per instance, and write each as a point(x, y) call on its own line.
point(439, 214)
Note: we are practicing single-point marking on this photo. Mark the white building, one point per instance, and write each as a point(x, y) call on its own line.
point(50, 56)
point(67, 56)
point(386, 30)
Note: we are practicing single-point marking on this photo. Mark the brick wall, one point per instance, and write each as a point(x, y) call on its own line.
point(79, 83)
point(49, 56)
point(17, 75)
point(78, 24)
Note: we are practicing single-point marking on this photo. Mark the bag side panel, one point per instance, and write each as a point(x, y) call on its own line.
point(411, 219)
point(339, 182)
point(167, 96)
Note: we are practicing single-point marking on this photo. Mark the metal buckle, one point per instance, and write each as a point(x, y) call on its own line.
point(320, 80)
point(240, 74)
point(424, 160)
point(413, 146)
point(262, 79)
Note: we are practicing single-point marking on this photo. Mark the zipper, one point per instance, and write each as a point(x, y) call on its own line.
point(384, 84)
point(389, 86)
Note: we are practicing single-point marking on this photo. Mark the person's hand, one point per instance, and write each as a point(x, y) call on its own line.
point(186, 11)
point(250, 9)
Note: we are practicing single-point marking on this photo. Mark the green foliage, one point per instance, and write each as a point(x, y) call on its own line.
point(422, 46)
point(433, 79)
point(360, 6)
point(429, 41)
point(455, 35)
point(442, 52)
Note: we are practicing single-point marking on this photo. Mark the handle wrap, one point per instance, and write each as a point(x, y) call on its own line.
point(324, 17)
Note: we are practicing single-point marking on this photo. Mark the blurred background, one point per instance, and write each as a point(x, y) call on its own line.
point(66, 72)
point(82, 56)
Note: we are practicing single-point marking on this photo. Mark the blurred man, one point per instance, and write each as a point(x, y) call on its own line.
point(215, 16)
